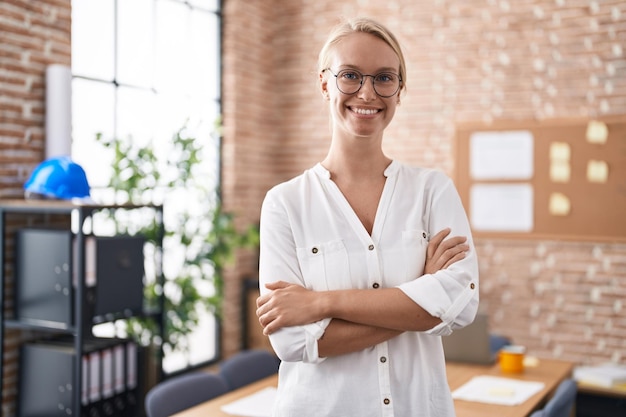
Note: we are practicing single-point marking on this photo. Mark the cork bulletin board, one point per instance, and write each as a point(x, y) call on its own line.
point(559, 179)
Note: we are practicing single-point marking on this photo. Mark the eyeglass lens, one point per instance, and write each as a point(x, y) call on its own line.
point(386, 84)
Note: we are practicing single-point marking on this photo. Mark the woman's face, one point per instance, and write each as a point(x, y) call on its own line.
point(364, 113)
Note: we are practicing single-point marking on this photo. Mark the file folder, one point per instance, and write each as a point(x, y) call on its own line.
point(109, 378)
point(46, 266)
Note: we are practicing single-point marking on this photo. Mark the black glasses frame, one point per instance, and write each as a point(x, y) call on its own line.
point(363, 81)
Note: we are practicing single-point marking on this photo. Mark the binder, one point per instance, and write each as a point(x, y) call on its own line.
point(109, 378)
point(133, 396)
point(46, 265)
point(119, 379)
point(118, 265)
point(43, 287)
point(45, 381)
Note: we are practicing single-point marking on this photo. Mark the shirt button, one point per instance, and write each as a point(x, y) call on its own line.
point(472, 286)
point(383, 359)
point(314, 250)
point(424, 235)
point(376, 285)
point(370, 247)
point(386, 401)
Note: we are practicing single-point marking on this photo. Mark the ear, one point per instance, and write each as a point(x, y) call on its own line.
point(324, 86)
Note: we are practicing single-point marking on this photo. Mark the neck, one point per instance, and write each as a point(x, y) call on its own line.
point(355, 164)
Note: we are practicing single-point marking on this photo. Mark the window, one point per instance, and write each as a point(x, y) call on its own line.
point(141, 70)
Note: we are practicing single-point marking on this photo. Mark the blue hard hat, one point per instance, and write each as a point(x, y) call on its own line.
point(58, 177)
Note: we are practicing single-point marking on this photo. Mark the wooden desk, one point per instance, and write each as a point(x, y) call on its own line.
point(212, 408)
point(550, 372)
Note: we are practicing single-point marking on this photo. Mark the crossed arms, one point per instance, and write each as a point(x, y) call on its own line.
point(361, 318)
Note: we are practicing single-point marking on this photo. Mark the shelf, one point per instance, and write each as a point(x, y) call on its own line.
point(64, 282)
point(40, 325)
point(63, 206)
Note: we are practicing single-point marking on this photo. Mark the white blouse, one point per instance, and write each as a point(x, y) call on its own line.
point(311, 236)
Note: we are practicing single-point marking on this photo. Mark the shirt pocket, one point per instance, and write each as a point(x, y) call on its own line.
point(325, 266)
point(414, 245)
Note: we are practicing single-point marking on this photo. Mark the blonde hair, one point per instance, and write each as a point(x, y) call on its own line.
point(363, 25)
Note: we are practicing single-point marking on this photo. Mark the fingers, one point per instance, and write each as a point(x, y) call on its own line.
point(442, 253)
point(455, 258)
point(435, 241)
point(450, 246)
point(263, 312)
point(268, 313)
point(277, 285)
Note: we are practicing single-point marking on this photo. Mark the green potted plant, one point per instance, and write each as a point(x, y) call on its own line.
point(201, 233)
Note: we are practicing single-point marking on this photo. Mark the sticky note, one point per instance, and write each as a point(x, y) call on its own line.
point(559, 151)
point(597, 171)
point(559, 204)
point(559, 171)
point(597, 132)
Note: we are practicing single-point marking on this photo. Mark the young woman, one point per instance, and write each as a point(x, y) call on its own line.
point(359, 278)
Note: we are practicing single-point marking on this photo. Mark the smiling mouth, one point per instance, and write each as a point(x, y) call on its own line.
point(365, 111)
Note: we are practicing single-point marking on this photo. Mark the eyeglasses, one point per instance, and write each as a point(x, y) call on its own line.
point(350, 81)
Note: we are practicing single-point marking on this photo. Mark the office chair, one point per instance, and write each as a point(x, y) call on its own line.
point(183, 391)
point(248, 366)
point(497, 342)
point(561, 403)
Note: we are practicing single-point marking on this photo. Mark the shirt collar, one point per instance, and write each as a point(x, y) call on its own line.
point(390, 171)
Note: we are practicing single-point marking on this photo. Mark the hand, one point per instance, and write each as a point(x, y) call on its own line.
point(441, 253)
point(286, 305)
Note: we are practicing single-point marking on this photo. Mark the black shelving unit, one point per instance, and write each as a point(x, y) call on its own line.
point(72, 217)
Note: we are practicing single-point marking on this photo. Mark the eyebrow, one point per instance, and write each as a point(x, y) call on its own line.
point(383, 69)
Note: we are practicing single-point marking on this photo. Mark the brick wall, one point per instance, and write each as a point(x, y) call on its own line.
point(471, 61)
point(33, 34)
point(476, 61)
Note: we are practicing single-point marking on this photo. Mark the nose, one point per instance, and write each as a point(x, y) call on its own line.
point(367, 89)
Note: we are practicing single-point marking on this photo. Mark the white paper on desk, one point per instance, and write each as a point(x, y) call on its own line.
point(259, 404)
point(496, 390)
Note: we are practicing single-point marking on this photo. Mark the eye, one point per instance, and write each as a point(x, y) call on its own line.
point(349, 75)
point(386, 77)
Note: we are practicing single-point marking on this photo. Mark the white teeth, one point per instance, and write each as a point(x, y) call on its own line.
point(364, 111)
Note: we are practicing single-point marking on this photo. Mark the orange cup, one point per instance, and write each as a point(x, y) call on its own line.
point(511, 359)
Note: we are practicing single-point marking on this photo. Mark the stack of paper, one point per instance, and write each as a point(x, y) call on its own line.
point(258, 404)
point(497, 390)
point(607, 375)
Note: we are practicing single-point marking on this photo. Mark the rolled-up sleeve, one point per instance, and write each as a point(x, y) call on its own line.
point(450, 294)
point(278, 261)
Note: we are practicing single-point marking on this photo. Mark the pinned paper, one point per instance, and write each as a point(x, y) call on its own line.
point(560, 171)
point(497, 390)
point(597, 171)
point(597, 132)
point(559, 204)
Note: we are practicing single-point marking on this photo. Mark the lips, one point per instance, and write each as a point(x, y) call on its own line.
point(365, 112)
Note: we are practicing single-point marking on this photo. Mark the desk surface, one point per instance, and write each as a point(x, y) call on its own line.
point(550, 372)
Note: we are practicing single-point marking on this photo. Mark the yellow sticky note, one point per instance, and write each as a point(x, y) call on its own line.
point(560, 170)
point(559, 204)
point(597, 171)
point(559, 151)
point(597, 132)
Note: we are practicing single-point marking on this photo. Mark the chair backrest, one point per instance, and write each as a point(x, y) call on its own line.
point(497, 342)
point(248, 366)
point(561, 403)
point(183, 391)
